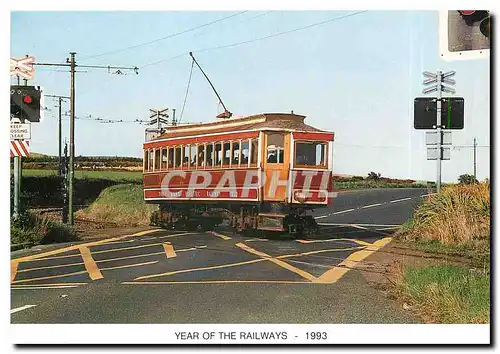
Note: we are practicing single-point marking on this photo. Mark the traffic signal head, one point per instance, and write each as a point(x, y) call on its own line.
point(464, 34)
point(26, 103)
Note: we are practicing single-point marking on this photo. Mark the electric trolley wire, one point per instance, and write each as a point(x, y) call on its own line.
point(187, 90)
point(255, 39)
point(164, 38)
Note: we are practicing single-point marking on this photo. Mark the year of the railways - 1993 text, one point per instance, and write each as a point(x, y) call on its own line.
point(317, 335)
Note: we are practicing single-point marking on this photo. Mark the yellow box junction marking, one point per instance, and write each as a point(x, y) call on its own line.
point(334, 274)
point(285, 265)
point(49, 277)
point(130, 265)
point(14, 263)
point(224, 237)
point(90, 264)
point(169, 250)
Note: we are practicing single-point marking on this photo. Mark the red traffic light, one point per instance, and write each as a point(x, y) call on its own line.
point(27, 99)
point(467, 12)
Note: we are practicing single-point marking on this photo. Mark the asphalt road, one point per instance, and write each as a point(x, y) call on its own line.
point(166, 276)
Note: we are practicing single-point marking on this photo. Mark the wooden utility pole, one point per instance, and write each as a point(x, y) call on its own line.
point(60, 98)
point(71, 63)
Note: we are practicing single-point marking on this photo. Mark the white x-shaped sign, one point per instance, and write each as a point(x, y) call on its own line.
point(22, 67)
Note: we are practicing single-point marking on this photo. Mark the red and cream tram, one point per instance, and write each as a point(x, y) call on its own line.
point(264, 172)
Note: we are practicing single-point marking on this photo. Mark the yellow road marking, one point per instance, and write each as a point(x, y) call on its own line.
point(215, 282)
point(56, 257)
point(130, 265)
point(127, 248)
point(75, 247)
point(169, 250)
point(335, 273)
point(90, 264)
point(224, 237)
point(49, 267)
point(175, 235)
point(147, 255)
point(43, 285)
point(320, 251)
point(49, 277)
point(13, 270)
point(285, 265)
point(359, 242)
point(197, 269)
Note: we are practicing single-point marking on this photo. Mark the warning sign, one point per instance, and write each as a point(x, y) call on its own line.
point(20, 131)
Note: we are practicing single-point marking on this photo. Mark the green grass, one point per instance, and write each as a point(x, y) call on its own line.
point(122, 204)
point(30, 229)
point(448, 294)
point(131, 176)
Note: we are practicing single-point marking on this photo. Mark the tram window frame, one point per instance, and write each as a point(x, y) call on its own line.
point(151, 160)
point(200, 149)
point(226, 150)
point(277, 146)
point(243, 142)
point(170, 158)
point(323, 165)
point(178, 152)
point(209, 163)
point(218, 154)
point(145, 160)
point(163, 162)
point(235, 148)
point(254, 156)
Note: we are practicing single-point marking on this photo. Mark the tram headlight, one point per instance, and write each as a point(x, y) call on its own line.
point(299, 196)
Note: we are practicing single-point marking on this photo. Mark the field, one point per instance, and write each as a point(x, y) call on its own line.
point(111, 175)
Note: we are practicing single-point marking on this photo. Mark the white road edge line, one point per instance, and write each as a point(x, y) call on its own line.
point(343, 211)
point(374, 225)
point(371, 205)
point(399, 200)
point(426, 195)
point(322, 216)
point(25, 307)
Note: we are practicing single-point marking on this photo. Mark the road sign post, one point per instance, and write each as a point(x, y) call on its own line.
point(423, 116)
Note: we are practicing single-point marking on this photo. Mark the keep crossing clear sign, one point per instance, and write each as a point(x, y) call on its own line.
point(20, 131)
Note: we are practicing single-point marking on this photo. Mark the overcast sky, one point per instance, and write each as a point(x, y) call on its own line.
point(356, 75)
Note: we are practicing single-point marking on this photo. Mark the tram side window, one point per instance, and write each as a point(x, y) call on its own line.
point(218, 154)
point(210, 153)
point(151, 158)
point(185, 161)
point(164, 158)
point(146, 159)
point(201, 155)
point(310, 154)
point(235, 159)
point(227, 153)
point(171, 157)
point(157, 159)
point(178, 156)
point(275, 148)
point(255, 151)
point(244, 152)
point(193, 156)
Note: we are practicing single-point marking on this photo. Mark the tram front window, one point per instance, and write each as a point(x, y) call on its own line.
point(310, 154)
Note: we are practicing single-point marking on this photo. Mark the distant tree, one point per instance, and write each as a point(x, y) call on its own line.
point(467, 179)
point(374, 176)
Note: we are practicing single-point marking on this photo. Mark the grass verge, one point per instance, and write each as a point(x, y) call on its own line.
point(455, 222)
point(30, 229)
point(447, 294)
point(122, 204)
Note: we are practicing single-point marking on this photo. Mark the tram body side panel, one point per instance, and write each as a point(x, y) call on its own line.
point(203, 185)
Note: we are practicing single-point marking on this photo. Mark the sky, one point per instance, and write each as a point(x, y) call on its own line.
point(356, 75)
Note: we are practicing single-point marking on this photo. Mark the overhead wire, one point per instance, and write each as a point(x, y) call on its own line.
point(255, 39)
point(187, 90)
point(164, 38)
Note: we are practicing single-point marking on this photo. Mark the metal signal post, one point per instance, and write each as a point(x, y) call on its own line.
point(438, 79)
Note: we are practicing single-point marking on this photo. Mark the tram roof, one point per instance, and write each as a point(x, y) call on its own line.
point(264, 121)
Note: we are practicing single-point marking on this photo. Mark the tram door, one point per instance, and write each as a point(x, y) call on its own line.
point(276, 163)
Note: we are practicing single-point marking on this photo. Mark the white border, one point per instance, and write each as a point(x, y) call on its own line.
point(295, 333)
